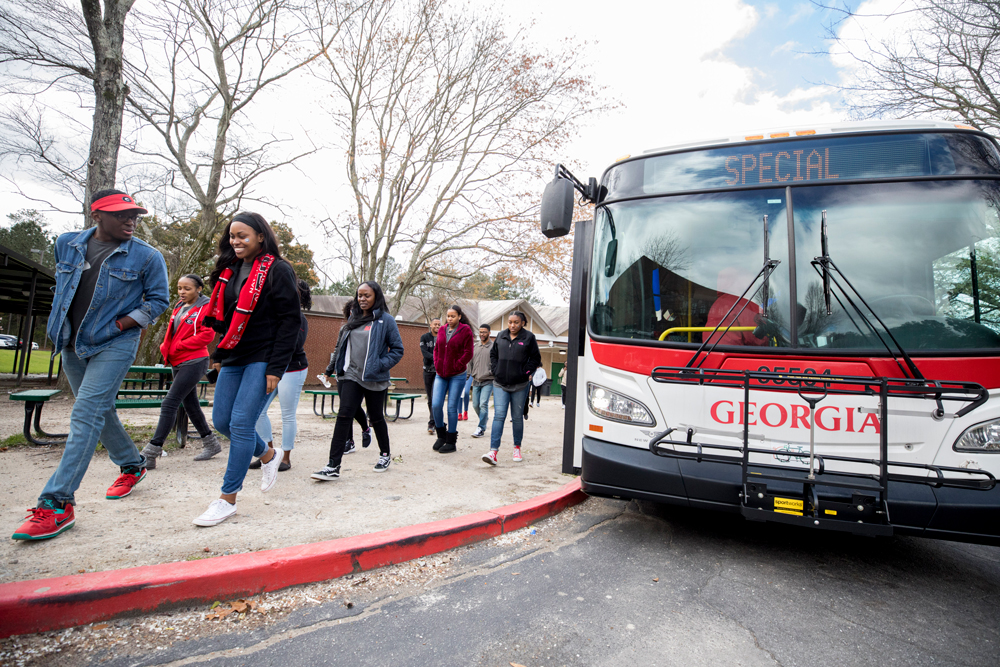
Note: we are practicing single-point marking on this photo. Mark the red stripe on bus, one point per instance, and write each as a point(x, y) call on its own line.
point(642, 360)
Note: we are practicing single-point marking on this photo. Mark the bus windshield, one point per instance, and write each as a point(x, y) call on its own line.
point(925, 255)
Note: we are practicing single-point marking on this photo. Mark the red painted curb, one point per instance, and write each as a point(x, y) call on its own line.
point(39, 605)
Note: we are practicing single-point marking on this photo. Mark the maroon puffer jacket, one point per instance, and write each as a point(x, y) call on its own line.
point(452, 356)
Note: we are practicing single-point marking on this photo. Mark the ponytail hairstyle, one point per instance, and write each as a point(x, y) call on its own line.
point(195, 278)
point(305, 295)
point(227, 256)
point(462, 317)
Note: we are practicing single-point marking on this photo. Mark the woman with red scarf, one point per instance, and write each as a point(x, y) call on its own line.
point(255, 305)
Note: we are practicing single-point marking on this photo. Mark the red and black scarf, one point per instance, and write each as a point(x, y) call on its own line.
point(247, 301)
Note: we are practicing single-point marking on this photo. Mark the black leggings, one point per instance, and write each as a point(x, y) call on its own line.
point(183, 389)
point(429, 387)
point(351, 394)
point(535, 394)
point(361, 418)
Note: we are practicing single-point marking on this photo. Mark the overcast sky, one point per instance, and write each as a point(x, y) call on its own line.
point(681, 71)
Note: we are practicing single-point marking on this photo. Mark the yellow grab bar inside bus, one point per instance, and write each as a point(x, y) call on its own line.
point(666, 333)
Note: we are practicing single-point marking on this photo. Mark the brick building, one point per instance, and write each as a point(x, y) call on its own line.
point(324, 329)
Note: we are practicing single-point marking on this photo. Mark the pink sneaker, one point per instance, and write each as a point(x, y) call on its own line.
point(491, 457)
point(517, 454)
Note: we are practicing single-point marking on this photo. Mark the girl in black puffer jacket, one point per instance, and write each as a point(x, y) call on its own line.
point(513, 359)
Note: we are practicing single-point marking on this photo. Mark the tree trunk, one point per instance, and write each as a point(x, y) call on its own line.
point(107, 34)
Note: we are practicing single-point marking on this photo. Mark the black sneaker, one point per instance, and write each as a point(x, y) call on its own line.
point(255, 464)
point(349, 447)
point(366, 437)
point(383, 464)
point(326, 474)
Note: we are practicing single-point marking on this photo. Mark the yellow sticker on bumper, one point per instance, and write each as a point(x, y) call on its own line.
point(787, 504)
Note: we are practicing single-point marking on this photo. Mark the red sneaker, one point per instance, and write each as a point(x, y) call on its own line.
point(45, 521)
point(124, 484)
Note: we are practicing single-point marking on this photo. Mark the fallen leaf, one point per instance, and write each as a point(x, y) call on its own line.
point(81, 570)
point(514, 664)
point(239, 605)
point(656, 578)
point(100, 626)
point(207, 550)
point(222, 613)
point(215, 604)
point(516, 573)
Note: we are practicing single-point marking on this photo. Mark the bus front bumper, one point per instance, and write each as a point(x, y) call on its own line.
point(618, 471)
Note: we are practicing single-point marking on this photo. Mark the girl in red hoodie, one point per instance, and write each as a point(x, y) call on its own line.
point(452, 353)
point(185, 350)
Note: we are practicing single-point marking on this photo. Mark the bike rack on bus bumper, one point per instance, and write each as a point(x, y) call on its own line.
point(868, 511)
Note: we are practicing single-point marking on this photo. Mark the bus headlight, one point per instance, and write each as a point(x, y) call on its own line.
point(983, 437)
point(614, 406)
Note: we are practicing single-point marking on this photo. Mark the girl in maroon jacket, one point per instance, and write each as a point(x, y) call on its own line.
point(452, 353)
point(185, 350)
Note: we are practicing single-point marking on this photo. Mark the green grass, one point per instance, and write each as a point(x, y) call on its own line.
point(140, 436)
point(39, 362)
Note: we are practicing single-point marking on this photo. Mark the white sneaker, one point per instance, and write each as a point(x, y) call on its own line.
point(479, 433)
point(490, 457)
point(269, 472)
point(216, 513)
point(517, 454)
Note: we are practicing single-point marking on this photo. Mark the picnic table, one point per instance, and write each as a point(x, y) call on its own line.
point(34, 400)
point(132, 397)
point(332, 393)
point(160, 371)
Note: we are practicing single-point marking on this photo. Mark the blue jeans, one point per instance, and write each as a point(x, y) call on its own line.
point(467, 393)
point(501, 399)
point(95, 382)
point(240, 397)
point(454, 387)
point(289, 391)
point(481, 403)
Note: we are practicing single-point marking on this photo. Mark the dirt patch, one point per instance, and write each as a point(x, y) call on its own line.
point(153, 525)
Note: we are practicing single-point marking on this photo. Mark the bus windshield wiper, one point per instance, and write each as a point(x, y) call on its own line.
point(765, 273)
point(826, 267)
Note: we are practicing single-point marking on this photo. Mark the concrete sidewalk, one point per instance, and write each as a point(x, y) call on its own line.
point(153, 525)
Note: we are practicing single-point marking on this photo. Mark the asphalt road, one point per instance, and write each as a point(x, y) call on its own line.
point(634, 584)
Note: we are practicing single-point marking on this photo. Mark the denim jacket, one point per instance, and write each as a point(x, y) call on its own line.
point(132, 282)
point(385, 349)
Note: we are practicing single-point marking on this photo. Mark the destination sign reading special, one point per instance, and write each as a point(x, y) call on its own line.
point(781, 163)
point(793, 163)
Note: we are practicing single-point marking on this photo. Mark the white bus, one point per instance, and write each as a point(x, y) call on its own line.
point(800, 326)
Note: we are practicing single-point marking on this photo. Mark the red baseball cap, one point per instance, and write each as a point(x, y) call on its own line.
point(117, 202)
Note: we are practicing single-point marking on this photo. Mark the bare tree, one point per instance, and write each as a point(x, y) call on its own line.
point(217, 58)
point(447, 125)
point(946, 63)
point(26, 39)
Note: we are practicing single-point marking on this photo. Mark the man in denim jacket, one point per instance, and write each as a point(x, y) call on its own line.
point(109, 286)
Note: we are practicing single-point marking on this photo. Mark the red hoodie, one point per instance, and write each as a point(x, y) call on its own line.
point(191, 339)
point(452, 356)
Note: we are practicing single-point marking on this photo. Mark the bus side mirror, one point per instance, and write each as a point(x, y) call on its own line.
point(557, 208)
point(611, 258)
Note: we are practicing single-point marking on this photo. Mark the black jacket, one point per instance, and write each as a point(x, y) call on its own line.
point(427, 350)
point(299, 360)
point(513, 361)
point(273, 328)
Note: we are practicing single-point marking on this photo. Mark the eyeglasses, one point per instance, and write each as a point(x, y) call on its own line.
point(124, 216)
